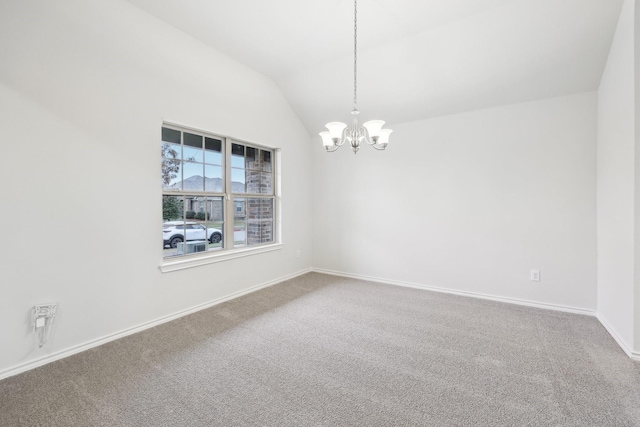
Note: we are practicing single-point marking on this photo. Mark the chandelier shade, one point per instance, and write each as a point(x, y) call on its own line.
point(374, 127)
point(336, 129)
point(383, 140)
point(326, 139)
point(371, 132)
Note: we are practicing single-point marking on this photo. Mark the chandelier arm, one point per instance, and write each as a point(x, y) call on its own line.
point(332, 149)
point(343, 138)
point(379, 147)
point(366, 137)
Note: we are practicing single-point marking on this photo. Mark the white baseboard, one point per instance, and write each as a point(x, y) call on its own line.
point(633, 355)
point(614, 334)
point(14, 370)
point(535, 304)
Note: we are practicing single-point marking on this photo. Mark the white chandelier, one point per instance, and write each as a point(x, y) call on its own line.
point(372, 132)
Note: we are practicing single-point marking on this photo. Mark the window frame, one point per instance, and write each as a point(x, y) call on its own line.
point(228, 250)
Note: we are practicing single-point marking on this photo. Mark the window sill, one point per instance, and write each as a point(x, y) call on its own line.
point(198, 260)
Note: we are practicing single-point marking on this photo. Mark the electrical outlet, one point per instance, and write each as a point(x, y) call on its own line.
point(44, 310)
point(298, 253)
point(534, 276)
point(43, 316)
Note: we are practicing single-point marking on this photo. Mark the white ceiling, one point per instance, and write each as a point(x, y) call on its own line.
point(416, 59)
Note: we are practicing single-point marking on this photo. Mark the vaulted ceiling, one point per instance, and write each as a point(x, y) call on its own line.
point(416, 58)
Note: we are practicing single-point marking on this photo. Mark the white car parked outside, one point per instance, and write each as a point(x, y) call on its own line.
point(173, 232)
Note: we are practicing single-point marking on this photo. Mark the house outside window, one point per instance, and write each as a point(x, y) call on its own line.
point(217, 193)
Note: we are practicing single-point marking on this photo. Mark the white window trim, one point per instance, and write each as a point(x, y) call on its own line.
point(196, 260)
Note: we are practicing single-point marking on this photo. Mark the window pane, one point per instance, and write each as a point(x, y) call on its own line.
point(192, 150)
point(266, 208)
point(212, 144)
point(239, 233)
point(193, 179)
point(259, 220)
point(191, 208)
point(213, 178)
point(192, 154)
point(239, 209)
point(266, 183)
point(266, 160)
point(239, 222)
point(213, 151)
point(237, 181)
point(173, 226)
point(171, 151)
point(213, 157)
point(170, 135)
point(181, 237)
point(266, 231)
point(253, 209)
point(171, 174)
point(253, 181)
point(192, 140)
point(171, 165)
point(237, 156)
point(253, 233)
point(250, 158)
point(214, 222)
point(259, 182)
point(172, 208)
point(216, 212)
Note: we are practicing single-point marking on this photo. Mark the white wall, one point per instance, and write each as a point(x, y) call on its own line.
point(469, 203)
point(636, 69)
point(616, 169)
point(84, 87)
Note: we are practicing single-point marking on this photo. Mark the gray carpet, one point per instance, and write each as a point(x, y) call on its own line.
point(320, 350)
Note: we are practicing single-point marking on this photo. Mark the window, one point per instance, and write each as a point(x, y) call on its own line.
point(214, 188)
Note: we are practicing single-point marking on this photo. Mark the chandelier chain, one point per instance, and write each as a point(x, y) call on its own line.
point(371, 132)
point(355, 54)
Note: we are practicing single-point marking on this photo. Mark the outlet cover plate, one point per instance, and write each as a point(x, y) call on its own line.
point(45, 310)
point(534, 275)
